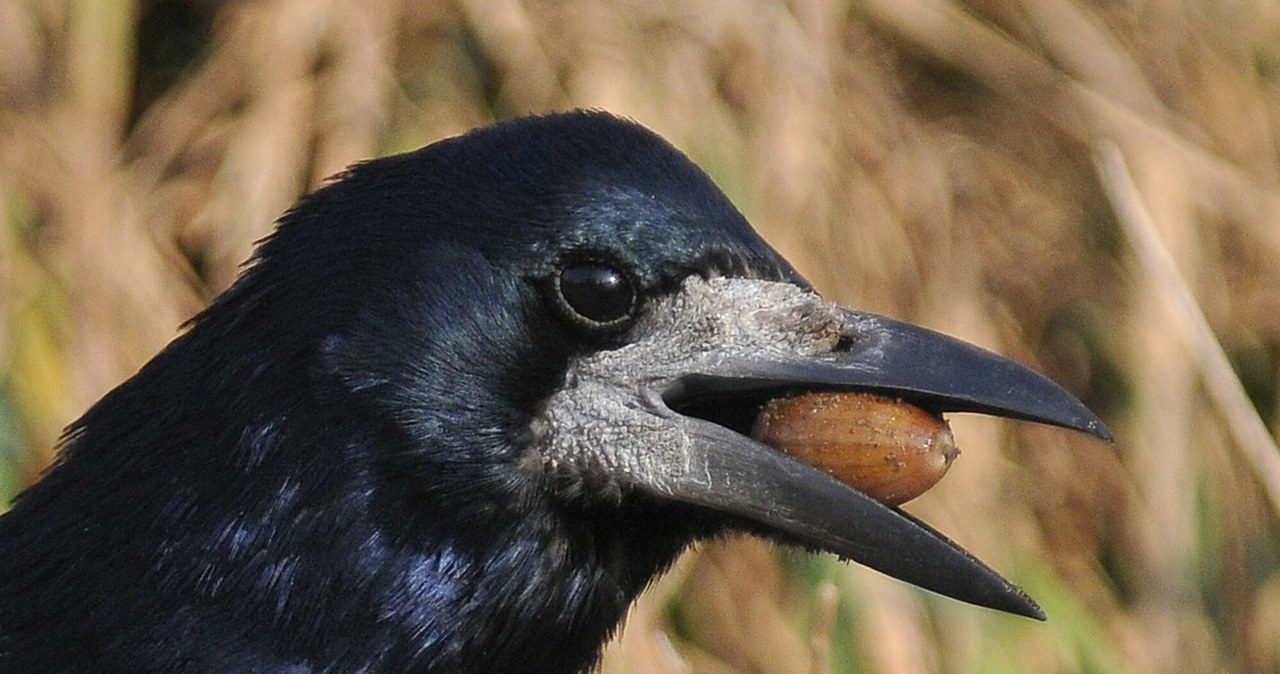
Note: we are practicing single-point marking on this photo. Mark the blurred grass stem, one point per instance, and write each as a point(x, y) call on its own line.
point(1224, 387)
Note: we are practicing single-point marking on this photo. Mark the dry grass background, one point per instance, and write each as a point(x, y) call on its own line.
point(934, 160)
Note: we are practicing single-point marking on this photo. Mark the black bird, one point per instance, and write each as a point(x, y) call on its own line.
point(463, 405)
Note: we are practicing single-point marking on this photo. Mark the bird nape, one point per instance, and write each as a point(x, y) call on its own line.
point(463, 405)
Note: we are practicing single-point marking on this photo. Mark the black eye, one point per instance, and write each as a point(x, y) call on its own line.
point(595, 295)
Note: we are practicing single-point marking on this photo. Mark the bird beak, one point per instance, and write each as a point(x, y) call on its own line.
point(929, 369)
point(773, 341)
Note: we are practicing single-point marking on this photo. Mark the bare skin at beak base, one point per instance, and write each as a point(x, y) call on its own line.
point(749, 341)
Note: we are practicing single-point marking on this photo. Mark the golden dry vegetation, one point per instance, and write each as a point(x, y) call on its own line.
point(1089, 187)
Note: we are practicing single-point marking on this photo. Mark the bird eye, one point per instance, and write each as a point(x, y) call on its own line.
point(595, 294)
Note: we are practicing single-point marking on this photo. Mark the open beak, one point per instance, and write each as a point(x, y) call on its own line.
point(767, 340)
point(928, 369)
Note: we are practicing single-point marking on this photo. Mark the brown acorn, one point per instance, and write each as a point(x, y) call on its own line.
point(883, 447)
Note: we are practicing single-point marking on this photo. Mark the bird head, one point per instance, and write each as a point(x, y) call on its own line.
point(591, 324)
point(478, 396)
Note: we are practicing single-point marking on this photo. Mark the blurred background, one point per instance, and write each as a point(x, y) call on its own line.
point(1090, 187)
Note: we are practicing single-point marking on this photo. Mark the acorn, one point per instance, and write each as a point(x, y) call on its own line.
point(889, 450)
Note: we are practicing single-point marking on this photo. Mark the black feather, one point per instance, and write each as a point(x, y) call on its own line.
point(328, 470)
